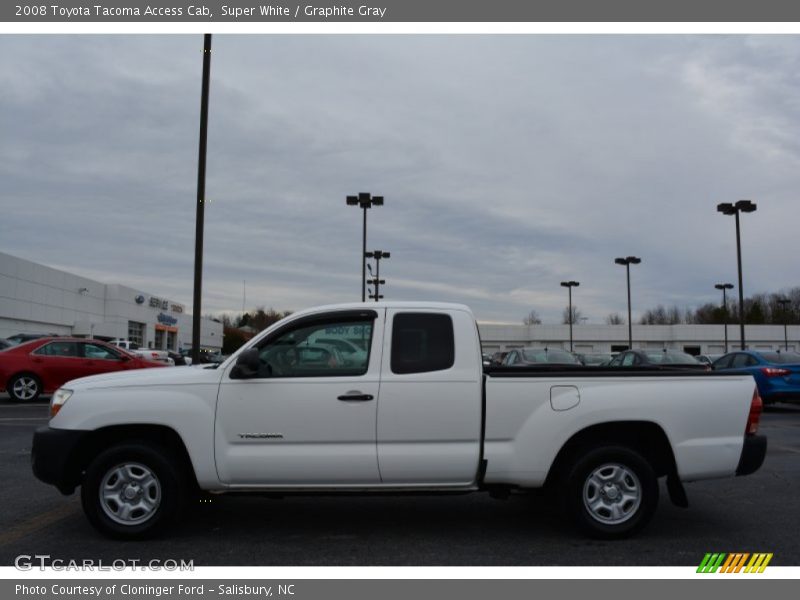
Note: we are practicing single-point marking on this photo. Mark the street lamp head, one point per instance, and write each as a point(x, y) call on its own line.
point(377, 200)
point(783, 302)
point(726, 208)
point(352, 201)
point(745, 206)
point(570, 283)
point(634, 260)
point(723, 286)
point(620, 261)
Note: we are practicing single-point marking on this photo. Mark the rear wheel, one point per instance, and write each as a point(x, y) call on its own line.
point(610, 492)
point(133, 490)
point(24, 388)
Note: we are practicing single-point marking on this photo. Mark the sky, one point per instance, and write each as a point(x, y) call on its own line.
point(508, 163)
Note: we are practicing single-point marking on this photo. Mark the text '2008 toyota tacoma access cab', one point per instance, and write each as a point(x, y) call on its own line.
point(413, 412)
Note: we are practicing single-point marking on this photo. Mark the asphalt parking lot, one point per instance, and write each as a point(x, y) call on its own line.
point(757, 513)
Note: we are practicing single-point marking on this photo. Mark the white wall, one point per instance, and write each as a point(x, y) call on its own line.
point(39, 299)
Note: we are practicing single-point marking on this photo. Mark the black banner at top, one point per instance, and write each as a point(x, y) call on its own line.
point(466, 11)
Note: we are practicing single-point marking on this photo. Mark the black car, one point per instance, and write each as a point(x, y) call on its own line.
point(595, 359)
point(661, 359)
point(525, 357)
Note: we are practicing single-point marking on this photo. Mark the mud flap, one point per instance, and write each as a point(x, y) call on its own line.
point(676, 492)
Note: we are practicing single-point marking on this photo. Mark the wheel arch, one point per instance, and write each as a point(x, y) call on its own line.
point(645, 437)
point(98, 440)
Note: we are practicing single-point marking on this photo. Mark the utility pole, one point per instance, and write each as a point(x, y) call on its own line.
point(201, 194)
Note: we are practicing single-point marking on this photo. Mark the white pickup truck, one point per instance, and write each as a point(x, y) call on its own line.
point(145, 353)
point(419, 414)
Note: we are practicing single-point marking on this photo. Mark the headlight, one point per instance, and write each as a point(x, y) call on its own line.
point(60, 396)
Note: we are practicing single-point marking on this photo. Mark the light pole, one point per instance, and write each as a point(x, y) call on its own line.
point(569, 285)
point(378, 255)
point(365, 201)
point(783, 304)
point(375, 281)
point(201, 201)
point(627, 262)
point(726, 208)
point(724, 287)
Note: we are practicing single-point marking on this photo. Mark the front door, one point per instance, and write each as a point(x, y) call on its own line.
point(308, 414)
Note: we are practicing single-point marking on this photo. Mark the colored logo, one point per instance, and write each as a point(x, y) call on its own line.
point(736, 562)
point(166, 319)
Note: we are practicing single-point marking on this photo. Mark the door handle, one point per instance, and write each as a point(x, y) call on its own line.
point(356, 397)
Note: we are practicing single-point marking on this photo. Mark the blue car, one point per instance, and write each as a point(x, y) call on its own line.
point(777, 374)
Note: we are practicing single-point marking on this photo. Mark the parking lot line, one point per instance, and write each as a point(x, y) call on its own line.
point(34, 524)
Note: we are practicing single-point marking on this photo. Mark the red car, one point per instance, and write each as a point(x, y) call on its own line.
point(42, 366)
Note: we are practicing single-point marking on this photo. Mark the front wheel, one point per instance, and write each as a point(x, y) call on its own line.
point(132, 490)
point(610, 492)
point(24, 388)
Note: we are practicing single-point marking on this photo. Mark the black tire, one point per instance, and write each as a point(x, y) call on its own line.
point(28, 388)
point(610, 492)
point(148, 483)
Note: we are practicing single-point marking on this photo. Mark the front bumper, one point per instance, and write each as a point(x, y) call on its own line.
point(53, 456)
point(753, 453)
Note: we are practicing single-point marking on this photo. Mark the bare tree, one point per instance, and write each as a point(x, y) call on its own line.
point(573, 317)
point(614, 319)
point(532, 318)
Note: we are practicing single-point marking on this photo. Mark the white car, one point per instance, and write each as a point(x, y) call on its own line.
point(416, 414)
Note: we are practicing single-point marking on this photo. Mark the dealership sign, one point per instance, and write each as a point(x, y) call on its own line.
point(162, 303)
point(167, 319)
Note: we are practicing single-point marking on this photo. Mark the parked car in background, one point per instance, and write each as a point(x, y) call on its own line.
point(498, 358)
point(161, 356)
point(179, 359)
point(5, 344)
point(349, 351)
point(595, 359)
point(21, 338)
point(777, 374)
point(523, 357)
point(41, 366)
point(707, 359)
point(662, 359)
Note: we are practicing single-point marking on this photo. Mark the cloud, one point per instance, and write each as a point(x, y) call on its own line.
point(508, 163)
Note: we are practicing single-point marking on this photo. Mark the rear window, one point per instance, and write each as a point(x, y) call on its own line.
point(422, 342)
point(784, 358)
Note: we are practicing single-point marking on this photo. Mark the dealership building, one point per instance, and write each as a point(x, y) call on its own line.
point(38, 299)
point(692, 339)
point(35, 298)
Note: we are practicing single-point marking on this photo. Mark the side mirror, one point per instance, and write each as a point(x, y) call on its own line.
point(247, 364)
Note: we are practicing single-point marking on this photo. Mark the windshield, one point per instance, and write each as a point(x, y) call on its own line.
point(671, 358)
point(543, 355)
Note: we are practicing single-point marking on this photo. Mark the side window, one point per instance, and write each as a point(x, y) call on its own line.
point(422, 342)
point(740, 361)
point(62, 349)
point(99, 352)
point(616, 361)
point(312, 350)
point(723, 363)
point(751, 361)
point(628, 359)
